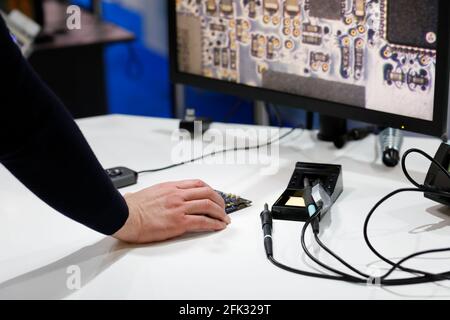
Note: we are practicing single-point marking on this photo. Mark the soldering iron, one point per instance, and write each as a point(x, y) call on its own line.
point(266, 221)
point(318, 201)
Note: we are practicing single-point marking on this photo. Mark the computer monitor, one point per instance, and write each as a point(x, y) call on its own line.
point(384, 62)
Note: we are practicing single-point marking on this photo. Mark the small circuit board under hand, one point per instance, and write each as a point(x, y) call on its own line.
point(233, 202)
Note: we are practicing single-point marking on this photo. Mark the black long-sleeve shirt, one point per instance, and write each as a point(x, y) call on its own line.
point(41, 145)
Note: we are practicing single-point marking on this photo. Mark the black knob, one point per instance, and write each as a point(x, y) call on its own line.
point(391, 157)
point(114, 172)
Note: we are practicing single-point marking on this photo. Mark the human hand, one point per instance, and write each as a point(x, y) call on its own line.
point(171, 209)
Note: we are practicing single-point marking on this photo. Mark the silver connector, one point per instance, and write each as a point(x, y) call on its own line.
point(321, 198)
point(190, 115)
point(391, 139)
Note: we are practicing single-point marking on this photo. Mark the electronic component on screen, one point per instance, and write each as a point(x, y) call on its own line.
point(378, 55)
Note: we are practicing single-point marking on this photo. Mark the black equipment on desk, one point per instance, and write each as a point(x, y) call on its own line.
point(436, 187)
point(122, 177)
point(291, 204)
point(193, 124)
point(356, 134)
point(438, 180)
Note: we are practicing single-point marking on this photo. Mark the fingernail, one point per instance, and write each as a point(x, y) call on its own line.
point(222, 226)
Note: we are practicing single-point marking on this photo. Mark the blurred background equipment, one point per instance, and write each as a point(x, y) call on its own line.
point(72, 62)
point(31, 8)
point(23, 29)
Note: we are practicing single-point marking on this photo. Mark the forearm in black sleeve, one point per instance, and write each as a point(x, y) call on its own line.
point(41, 145)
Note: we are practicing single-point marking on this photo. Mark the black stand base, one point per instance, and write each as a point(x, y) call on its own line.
point(332, 128)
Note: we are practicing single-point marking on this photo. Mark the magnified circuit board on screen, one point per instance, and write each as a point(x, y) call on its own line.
point(373, 54)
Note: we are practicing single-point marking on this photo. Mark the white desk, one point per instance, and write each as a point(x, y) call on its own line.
point(38, 244)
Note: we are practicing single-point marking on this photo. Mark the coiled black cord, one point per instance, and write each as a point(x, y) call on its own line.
point(419, 188)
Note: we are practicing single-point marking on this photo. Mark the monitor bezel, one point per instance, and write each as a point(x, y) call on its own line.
point(437, 127)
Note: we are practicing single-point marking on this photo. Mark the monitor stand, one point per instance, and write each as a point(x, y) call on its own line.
point(331, 128)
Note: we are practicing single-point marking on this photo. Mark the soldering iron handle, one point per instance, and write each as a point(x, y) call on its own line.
point(266, 222)
point(268, 246)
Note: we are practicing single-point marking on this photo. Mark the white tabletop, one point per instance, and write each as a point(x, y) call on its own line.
point(41, 247)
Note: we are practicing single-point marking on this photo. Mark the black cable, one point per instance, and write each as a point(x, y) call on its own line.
point(425, 277)
point(342, 276)
point(304, 273)
point(434, 277)
point(398, 264)
point(366, 224)
point(420, 188)
point(259, 146)
point(381, 280)
point(408, 176)
point(395, 265)
point(352, 279)
point(348, 277)
point(342, 261)
point(414, 255)
point(266, 222)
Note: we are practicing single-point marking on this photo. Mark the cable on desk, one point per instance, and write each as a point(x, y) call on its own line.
point(433, 161)
point(259, 146)
point(420, 276)
point(366, 224)
point(426, 278)
point(349, 278)
point(346, 276)
point(309, 273)
point(419, 188)
point(342, 261)
point(304, 273)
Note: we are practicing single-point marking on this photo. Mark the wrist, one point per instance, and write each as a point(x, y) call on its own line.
point(130, 230)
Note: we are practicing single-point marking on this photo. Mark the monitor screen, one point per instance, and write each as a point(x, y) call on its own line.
point(376, 55)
